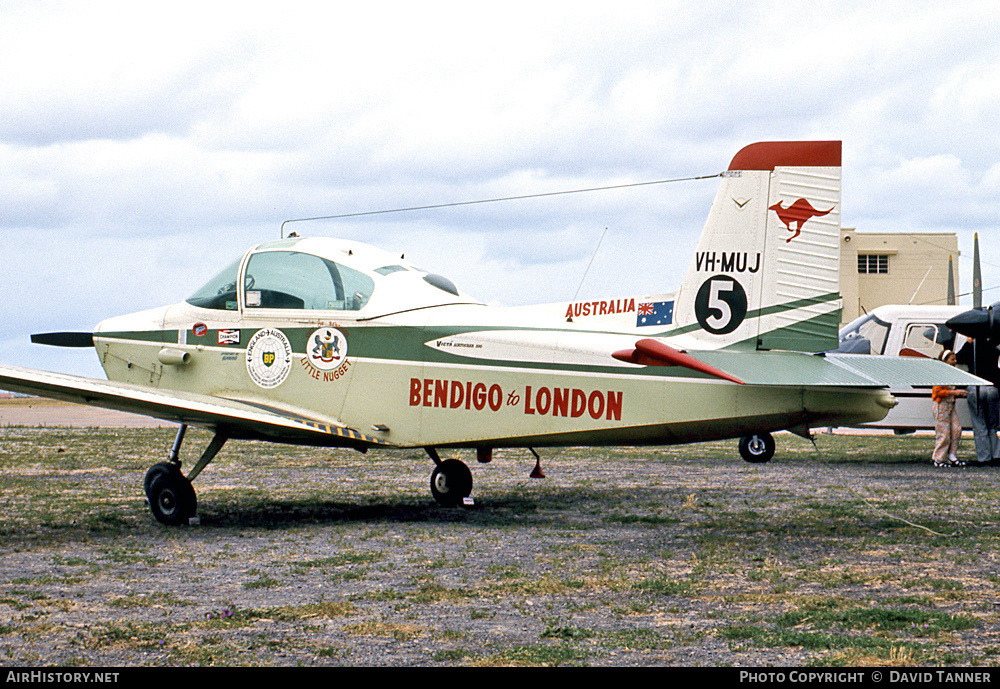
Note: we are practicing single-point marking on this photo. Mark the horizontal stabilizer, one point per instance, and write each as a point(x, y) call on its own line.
point(835, 370)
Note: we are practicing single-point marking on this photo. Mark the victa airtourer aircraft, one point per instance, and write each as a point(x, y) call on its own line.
point(325, 342)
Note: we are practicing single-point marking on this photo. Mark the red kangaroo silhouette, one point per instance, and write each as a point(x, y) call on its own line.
point(799, 212)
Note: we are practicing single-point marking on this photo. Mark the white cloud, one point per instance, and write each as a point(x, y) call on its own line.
point(143, 146)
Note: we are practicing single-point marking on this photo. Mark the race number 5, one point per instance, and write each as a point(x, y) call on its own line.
point(720, 305)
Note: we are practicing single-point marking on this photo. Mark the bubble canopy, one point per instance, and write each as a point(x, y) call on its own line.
point(323, 274)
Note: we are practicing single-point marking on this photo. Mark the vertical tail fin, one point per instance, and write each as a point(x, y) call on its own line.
point(766, 272)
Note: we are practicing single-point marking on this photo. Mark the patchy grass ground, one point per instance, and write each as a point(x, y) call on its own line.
point(858, 554)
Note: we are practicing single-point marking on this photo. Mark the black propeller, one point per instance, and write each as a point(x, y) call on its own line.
point(64, 339)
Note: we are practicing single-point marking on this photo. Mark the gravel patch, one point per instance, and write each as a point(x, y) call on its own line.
point(855, 552)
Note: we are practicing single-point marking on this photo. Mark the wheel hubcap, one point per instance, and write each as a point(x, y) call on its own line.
point(167, 501)
point(441, 483)
point(757, 445)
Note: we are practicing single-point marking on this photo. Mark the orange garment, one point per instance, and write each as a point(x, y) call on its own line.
point(940, 392)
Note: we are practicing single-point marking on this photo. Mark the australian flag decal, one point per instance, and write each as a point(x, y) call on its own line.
point(654, 313)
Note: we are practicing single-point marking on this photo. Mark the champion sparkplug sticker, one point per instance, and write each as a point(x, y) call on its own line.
point(269, 357)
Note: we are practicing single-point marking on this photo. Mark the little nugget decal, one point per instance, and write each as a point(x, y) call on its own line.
point(326, 349)
point(269, 357)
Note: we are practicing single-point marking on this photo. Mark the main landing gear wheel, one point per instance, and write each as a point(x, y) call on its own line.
point(155, 471)
point(757, 448)
point(451, 482)
point(171, 496)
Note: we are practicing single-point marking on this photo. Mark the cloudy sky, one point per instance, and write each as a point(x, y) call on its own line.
point(144, 146)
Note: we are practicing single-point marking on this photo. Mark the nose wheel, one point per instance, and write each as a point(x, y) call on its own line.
point(171, 496)
point(172, 499)
point(757, 448)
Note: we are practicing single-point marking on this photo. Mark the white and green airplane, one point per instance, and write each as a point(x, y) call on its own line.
point(325, 342)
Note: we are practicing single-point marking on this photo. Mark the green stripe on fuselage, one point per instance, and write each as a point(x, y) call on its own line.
point(406, 343)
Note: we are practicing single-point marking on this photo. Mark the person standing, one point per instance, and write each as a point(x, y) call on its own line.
point(983, 400)
point(947, 428)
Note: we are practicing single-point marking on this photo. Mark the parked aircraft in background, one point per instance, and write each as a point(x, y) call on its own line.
point(328, 342)
point(909, 331)
point(914, 331)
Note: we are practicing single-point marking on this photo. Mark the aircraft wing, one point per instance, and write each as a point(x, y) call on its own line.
point(235, 418)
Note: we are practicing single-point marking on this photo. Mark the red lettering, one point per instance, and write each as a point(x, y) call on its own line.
point(457, 394)
point(569, 311)
point(614, 406)
point(440, 393)
point(479, 396)
point(415, 386)
point(544, 400)
point(579, 403)
point(496, 400)
point(468, 394)
point(527, 400)
point(428, 382)
point(595, 404)
point(560, 404)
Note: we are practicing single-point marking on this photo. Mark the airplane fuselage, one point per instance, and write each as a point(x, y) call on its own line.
point(461, 375)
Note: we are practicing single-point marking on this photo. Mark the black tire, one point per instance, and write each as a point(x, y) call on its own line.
point(451, 481)
point(172, 498)
point(757, 448)
point(155, 471)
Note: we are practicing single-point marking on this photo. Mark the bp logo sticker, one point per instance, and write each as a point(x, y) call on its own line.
point(269, 357)
point(326, 349)
point(720, 305)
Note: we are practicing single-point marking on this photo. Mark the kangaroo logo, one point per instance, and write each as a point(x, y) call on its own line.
point(799, 212)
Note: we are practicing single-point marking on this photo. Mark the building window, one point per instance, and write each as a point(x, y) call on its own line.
point(873, 263)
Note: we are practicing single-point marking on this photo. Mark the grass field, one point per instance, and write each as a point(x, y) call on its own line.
point(856, 552)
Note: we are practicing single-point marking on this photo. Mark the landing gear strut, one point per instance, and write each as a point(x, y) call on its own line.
point(171, 496)
point(451, 480)
point(757, 448)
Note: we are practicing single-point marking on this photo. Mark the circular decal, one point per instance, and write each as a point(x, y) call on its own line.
point(199, 329)
point(269, 357)
point(326, 348)
point(721, 304)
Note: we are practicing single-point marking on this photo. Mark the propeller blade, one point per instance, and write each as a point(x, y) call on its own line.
point(977, 276)
point(974, 323)
point(951, 283)
point(64, 339)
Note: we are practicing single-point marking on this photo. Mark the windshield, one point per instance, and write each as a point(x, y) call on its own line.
point(296, 280)
point(864, 335)
point(220, 291)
